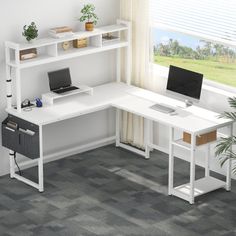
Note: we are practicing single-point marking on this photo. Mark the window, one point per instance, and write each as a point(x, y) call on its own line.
point(197, 35)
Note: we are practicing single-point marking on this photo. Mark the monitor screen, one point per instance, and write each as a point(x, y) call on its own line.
point(185, 82)
point(59, 79)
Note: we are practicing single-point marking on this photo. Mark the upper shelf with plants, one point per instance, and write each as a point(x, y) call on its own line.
point(76, 35)
point(50, 49)
point(63, 43)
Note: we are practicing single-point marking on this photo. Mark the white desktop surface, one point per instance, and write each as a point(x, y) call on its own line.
point(75, 105)
point(129, 98)
point(193, 119)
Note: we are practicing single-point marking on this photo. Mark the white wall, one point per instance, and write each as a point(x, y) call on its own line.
point(91, 70)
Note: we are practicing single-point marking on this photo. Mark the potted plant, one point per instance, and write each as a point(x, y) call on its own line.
point(224, 149)
point(89, 16)
point(30, 32)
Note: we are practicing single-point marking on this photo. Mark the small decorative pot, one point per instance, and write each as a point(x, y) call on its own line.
point(89, 26)
point(31, 41)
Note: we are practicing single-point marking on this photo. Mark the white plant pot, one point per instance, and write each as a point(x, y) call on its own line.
point(31, 41)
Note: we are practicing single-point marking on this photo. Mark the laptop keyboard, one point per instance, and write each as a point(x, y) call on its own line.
point(59, 91)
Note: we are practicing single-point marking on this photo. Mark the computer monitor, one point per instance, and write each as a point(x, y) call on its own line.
point(59, 79)
point(185, 82)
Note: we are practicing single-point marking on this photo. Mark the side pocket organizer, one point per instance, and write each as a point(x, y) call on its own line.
point(23, 140)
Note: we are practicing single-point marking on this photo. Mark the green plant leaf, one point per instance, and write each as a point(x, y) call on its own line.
point(224, 145)
point(227, 156)
point(232, 102)
point(30, 32)
point(224, 149)
point(88, 14)
point(228, 115)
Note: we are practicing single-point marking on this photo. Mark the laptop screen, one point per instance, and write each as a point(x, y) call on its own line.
point(59, 79)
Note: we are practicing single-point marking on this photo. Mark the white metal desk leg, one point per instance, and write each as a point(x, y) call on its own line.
point(147, 137)
point(118, 121)
point(192, 168)
point(151, 134)
point(18, 87)
point(118, 70)
point(12, 164)
point(207, 164)
point(171, 161)
point(229, 165)
point(40, 160)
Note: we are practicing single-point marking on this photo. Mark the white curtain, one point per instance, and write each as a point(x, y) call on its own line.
point(137, 11)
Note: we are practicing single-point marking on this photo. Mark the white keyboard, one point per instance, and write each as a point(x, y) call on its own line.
point(162, 108)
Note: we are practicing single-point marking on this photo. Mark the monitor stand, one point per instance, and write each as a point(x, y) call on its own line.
point(188, 103)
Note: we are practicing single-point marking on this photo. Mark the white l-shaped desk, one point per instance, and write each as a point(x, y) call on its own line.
point(194, 120)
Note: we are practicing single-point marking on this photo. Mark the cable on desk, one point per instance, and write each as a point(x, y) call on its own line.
point(17, 164)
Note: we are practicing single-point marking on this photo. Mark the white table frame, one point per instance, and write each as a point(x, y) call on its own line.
point(14, 175)
point(124, 91)
point(192, 188)
point(192, 150)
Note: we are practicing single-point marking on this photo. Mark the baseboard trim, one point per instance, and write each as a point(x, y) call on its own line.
point(88, 147)
point(69, 152)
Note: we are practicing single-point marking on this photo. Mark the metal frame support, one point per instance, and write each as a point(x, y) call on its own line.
point(13, 174)
point(9, 86)
point(147, 137)
point(12, 164)
point(118, 126)
point(40, 161)
point(207, 161)
point(171, 161)
point(192, 168)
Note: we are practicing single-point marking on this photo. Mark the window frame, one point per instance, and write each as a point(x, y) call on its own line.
point(207, 82)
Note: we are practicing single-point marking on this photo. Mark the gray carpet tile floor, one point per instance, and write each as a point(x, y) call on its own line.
point(110, 191)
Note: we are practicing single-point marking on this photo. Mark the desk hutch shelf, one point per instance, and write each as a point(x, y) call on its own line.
point(49, 50)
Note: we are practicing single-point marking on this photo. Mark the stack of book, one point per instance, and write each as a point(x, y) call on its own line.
point(107, 38)
point(60, 32)
point(28, 54)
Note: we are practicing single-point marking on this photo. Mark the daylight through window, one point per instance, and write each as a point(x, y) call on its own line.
point(197, 36)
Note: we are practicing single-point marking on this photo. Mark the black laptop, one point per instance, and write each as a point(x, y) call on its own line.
point(60, 81)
